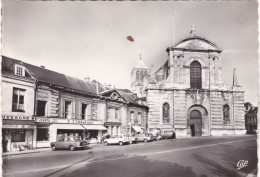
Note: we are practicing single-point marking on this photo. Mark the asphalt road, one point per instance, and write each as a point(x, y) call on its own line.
point(191, 157)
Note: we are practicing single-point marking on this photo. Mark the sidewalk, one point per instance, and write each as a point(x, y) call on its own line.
point(37, 150)
point(25, 152)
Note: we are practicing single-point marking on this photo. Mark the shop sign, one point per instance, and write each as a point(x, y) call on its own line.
point(17, 117)
point(66, 121)
point(19, 126)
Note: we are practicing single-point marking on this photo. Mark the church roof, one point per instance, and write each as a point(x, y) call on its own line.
point(141, 65)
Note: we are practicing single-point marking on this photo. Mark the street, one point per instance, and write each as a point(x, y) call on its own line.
point(202, 156)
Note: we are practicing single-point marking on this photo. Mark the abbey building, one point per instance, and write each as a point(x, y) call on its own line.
point(187, 93)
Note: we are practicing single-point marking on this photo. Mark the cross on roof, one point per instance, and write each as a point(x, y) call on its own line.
point(193, 31)
point(192, 27)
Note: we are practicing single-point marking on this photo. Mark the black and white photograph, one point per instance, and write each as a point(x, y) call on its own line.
point(129, 88)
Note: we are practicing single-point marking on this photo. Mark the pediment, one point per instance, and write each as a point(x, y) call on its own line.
point(197, 43)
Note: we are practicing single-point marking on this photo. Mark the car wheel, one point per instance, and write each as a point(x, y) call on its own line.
point(121, 143)
point(145, 140)
point(106, 143)
point(166, 138)
point(72, 148)
point(53, 148)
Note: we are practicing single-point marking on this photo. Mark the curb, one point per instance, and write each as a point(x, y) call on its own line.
point(19, 153)
point(37, 151)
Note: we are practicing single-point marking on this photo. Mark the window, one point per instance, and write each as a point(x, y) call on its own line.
point(68, 109)
point(166, 114)
point(19, 70)
point(142, 76)
point(18, 135)
point(84, 111)
point(117, 113)
point(109, 113)
point(137, 75)
point(226, 116)
point(41, 108)
point(195, 75)
point(43, 134)
point(132, 115)
point(18, 100)
point(139, 118)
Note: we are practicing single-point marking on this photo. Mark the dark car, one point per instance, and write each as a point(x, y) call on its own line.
point(71, 143)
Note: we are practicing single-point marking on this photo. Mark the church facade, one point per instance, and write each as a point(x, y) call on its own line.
point(187, 93)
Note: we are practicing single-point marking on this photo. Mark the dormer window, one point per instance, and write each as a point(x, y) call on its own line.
point(19, 70)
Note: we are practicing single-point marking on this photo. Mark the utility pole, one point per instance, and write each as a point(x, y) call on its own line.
point(209, 100)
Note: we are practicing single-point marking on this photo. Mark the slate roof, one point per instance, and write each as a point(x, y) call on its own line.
point(52, 77)
point(128, 96)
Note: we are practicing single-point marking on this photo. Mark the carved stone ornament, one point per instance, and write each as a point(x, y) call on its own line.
point(197, 98)
point(194, 44)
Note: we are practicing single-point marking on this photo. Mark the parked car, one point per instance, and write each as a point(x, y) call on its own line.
point(117, 139)
point(142, 138)
point(70, 142)
point(167, 135)
point(132, 139)
point(154, 137)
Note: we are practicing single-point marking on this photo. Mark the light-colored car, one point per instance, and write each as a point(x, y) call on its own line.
point(154, 137)
point(142, 138)
point(70, 142)
point(117, 139)
point(167, 135)
point(132, 139)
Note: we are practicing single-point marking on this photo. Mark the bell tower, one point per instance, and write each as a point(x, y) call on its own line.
point(140, 77)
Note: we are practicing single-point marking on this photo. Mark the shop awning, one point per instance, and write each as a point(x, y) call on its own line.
point(95, 127)
point(69, 126)
point(137, 128)
point(22, 124)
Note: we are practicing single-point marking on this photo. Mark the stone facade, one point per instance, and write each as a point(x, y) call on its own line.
point(188, 89)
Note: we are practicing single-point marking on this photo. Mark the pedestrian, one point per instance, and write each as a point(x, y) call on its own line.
point(173, 136)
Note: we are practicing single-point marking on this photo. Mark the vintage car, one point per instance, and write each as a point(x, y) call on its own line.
point(132, 139)
point(142, 138)
point(70, 142)
point(168, 134)
point(154, 137)
point(117, 139)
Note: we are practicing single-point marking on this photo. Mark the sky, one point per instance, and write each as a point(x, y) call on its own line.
point(89, 38)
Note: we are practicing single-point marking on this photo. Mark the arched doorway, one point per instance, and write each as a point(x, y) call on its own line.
point(195, 123)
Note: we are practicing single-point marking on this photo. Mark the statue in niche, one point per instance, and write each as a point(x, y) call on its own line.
point(226, 114)
point(166, 115)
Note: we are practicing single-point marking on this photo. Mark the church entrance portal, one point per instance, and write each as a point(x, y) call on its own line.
point(196, 123)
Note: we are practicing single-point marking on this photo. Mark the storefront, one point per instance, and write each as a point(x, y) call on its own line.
point(113, 128)
point(18, 135)
point(52, 129)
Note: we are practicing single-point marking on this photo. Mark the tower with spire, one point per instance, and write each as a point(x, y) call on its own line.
point(140, 77)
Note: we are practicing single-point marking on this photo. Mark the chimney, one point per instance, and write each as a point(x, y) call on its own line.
point(87, 79)
point(42, 66)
